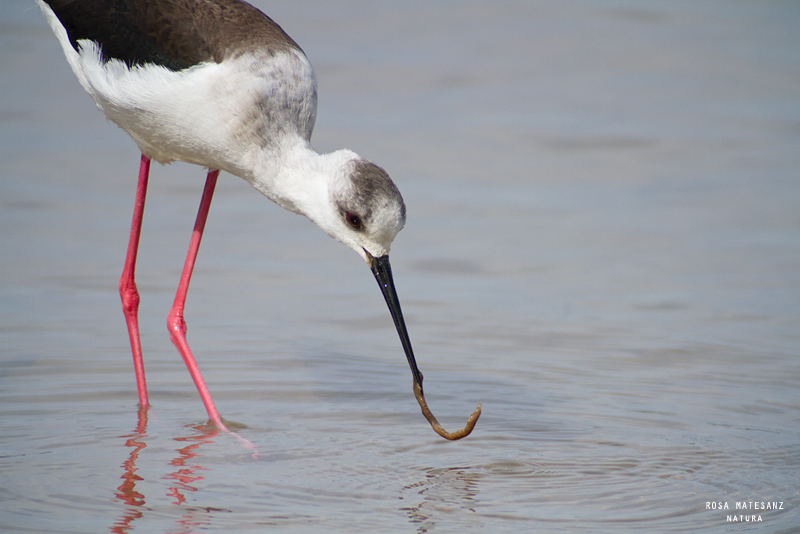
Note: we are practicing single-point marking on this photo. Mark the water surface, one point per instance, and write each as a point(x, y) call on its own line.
point(603, 248)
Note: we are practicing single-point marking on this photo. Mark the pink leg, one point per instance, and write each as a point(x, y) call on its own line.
point(127, 284)
point(175, 322)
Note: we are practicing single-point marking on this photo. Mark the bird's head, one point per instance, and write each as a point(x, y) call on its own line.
point(366, 210)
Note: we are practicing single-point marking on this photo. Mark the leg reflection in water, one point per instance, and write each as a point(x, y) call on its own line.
point(181, 481)
point(188, 470)
point(134, 500)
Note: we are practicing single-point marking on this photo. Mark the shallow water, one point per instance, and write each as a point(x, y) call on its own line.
point(603, 248)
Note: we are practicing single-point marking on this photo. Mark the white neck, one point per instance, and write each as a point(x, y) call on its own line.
point(296, 177)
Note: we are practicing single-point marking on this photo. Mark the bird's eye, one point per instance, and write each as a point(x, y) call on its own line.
point(353, 220)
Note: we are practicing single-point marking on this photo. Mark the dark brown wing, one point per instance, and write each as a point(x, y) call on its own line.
point(175, 34)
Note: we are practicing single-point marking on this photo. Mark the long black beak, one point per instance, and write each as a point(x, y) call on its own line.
point(382, 270)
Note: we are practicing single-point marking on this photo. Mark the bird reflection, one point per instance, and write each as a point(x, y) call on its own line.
point(134, 500)
point(183, 479)
point(188, 470)
point(443, 492)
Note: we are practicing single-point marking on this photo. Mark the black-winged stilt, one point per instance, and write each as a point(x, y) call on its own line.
point(219, 84)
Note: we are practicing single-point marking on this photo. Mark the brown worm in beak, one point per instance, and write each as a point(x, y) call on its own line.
point(458, 434)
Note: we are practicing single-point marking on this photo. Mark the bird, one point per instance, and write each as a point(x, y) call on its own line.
point(219, 84)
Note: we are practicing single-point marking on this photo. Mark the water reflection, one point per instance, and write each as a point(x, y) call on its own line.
point(134, 500)
point(188, 469)
point(442, 491)
point(194, 517)
point(183, 479)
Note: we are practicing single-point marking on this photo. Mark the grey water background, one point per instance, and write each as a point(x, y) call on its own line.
point(602, 247)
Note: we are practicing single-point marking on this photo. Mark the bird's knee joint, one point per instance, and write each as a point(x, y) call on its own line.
point(176, 325)
point(130, 296)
